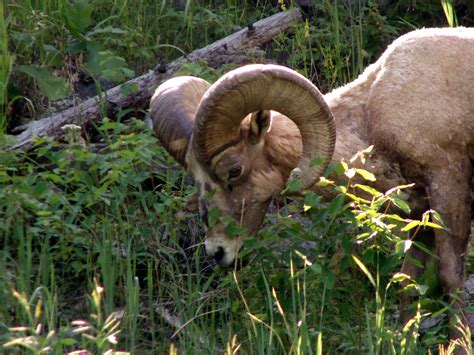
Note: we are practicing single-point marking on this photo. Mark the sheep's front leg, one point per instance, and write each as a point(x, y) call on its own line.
point(449, 193)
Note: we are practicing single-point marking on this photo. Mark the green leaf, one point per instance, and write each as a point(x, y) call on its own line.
point(53, 56)
point(213, 216)
point(366, 174)
point(103, 63)
point(421, 289)
point(341, 168)
point(67, 341)
point(52, 86)
point(77, 15)
point(336, 205)
point(369, 190)
point(400, 276)
point(324, 182)
point(318, 161)
point(293, 185)
point(234, 229)
point(316, 268)
point(361, 265)
point(401, 204)
point(128, 88)
point(403, 246)
point(410, 225)
point(311, 199)
point(397, 189)
point(433, 225)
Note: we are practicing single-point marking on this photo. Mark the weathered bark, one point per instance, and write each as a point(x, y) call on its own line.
point(226, 50)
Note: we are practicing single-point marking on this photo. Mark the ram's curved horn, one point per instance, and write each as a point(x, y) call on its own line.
point(265, 87)
point(173, 109)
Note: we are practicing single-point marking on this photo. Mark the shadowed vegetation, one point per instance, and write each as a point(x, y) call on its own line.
point(96, 252)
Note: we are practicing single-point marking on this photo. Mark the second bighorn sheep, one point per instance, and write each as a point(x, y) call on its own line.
point(241, 138)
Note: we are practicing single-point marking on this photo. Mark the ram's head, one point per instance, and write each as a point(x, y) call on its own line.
point(241, 139)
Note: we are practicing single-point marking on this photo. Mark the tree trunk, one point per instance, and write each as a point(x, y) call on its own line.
point(230, 49)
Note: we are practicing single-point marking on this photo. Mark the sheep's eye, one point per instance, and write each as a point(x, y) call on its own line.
point(235, 172)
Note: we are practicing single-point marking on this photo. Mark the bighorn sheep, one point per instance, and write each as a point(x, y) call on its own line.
point(415, 105)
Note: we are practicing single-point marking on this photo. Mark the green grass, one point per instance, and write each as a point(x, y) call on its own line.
point(95, 251)
point(96, 255)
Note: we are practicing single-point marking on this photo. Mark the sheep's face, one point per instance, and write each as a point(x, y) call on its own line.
point(240, 165)
point(239, 183)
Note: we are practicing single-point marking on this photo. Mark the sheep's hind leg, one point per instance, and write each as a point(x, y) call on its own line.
point(449, 192)
point(415, 257)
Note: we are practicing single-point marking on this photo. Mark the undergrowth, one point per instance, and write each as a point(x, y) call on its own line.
point(96, 253)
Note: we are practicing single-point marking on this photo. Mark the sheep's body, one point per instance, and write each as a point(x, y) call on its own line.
point(415, 105)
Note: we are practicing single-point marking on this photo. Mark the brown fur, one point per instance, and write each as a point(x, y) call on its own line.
point(416, 106)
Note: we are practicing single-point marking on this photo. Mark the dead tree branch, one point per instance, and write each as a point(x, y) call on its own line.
point(221, 52)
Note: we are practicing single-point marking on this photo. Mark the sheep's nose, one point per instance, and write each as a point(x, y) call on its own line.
point(219, 255)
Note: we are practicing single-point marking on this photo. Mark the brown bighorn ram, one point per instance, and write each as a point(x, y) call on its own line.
point(242, 137)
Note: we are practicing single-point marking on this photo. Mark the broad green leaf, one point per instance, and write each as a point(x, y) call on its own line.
point(317, 268)
point(128, 88)
point(213, 216)
point(53, 56)
point(369, 190)
point(432, 225)
point(317, 161)
point(311, 199)
point(103, 63)
point(395, 217)
point(293, 185)
point(357, 199)
point(341, 168)
point(411, 225)
point(331, 167)
point(324, 182)
point(366, 174)
point(336, 204)
point(401, 204)
point(52, 86)
point(77, 15)
point(234, 229)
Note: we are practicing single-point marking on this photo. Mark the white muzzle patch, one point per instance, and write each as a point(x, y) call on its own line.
point(222, 249)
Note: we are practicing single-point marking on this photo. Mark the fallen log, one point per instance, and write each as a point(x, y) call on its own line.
point(220, 52)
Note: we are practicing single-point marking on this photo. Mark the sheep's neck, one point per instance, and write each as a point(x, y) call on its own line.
point(348, 105)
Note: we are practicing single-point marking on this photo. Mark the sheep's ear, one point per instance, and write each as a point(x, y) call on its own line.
point(259, 123)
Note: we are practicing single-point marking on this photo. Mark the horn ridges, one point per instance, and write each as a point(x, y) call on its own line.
point(173, 109)
point(258, 87)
